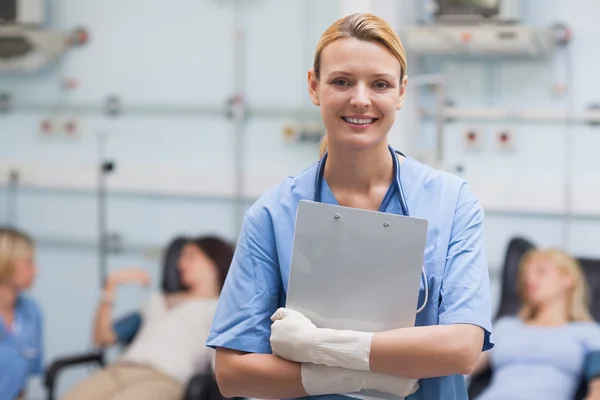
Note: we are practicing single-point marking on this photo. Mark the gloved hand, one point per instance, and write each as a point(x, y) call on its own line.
point(295, 338)
point(321, 380)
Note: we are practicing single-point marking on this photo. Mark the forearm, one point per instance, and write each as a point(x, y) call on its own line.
point(415, 352)
point(103, 330)
point(262, 376)
point(426, 352)
point(270, 377)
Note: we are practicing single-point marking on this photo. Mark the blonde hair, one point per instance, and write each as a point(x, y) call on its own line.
point(367, 27)
point(578, 299)
point(14, 245)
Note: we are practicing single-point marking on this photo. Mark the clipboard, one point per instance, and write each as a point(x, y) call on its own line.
point(356, 269)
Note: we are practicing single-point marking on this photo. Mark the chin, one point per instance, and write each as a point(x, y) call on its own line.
point(187, 283)
point(23, 288)
point(360, 142)
point(535, 302)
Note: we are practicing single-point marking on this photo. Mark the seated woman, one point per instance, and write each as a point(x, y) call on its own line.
point(20, 318)
point(169, 347)
point(543, 352)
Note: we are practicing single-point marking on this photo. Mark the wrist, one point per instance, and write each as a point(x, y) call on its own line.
point(341, 348)
point(108, 295)
point(109, 285)
point(390, 384)
point(319, 380)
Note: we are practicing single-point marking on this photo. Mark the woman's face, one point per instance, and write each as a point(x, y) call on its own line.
point(359, 92)
point(24, 273)
point(544, 282)
point(196, 268)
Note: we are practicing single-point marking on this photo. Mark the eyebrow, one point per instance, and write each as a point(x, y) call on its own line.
point(374, 75)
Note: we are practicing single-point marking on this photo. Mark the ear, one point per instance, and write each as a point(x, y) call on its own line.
point(402, 93)
point(313, 87)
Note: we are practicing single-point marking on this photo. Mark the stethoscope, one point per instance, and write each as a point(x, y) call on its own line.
point(399, 193)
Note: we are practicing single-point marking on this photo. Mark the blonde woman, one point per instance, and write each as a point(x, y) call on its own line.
point(542, 352)
point(21, 334)
point(358, 80)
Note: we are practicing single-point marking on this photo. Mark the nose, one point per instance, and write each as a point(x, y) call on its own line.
point(360, 96)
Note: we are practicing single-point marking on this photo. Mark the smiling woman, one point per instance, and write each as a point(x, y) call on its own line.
point(354, 60)
point(267, 351)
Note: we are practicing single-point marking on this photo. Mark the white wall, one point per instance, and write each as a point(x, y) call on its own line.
point(175, 169)
point(553, 169)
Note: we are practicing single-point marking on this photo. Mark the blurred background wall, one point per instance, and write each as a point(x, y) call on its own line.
point(185, 162)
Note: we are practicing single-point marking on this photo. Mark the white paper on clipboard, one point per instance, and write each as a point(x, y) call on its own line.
point(356, 269)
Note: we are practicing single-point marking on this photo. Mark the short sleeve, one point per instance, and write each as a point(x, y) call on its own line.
point(591, 341)
point(465, 288)
point(127, 327)
point(251, 292)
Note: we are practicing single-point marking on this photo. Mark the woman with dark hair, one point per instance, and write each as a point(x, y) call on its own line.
point(168, 340)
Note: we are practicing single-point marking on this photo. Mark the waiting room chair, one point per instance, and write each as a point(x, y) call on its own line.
point(510, 303)
point(200, 387)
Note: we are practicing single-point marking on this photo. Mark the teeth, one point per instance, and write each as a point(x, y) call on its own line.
point(359, 121)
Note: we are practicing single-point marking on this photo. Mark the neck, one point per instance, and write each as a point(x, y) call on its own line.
point(358, 171)
point(8, 298)
point(203, 292)
point(552, 313)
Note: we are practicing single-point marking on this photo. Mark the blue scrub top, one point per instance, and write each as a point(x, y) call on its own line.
point(21, 350)
point(455, 263)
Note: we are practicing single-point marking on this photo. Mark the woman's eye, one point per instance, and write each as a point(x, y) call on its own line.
point(340, 82)
point(382, 85)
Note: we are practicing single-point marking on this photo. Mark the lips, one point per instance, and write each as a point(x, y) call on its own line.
point(360, 121)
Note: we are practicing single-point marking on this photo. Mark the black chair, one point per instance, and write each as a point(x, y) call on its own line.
point(510, 304)
point(200, 387)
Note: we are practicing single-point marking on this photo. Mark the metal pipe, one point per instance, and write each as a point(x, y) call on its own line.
point(490, 212)
point(569, 149)
point(12, 200)
point(538, 115)
point(123, 194)
point(437, 82)
point(556, 215)
point(102, 233)
point(165, 110)
point(81, 108)
point(440, 99)
point(147, 250)
point(238, 108)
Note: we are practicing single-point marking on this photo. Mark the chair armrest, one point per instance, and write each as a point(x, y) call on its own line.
point(64, 362)
point(203, 387)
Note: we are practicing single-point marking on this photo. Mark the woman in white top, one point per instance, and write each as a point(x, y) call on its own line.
point(169, 334)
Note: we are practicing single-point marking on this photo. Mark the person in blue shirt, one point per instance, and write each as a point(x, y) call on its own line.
point(543, 352)
point(358, 80)
point(21, 335)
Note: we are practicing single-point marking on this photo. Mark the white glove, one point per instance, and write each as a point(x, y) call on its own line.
point(321, 380)
point(295, 338)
